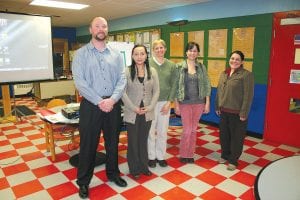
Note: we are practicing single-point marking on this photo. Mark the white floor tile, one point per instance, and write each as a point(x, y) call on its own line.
point(158, 185)
point(232, 187)
point(195, 186)
point(20, 178)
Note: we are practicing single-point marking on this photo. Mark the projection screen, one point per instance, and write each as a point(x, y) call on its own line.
point(25, 48)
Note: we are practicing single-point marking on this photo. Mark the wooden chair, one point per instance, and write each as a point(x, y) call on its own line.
point(58, 132)
point(78, 96)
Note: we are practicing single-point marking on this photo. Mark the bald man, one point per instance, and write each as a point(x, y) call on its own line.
point(99, 77)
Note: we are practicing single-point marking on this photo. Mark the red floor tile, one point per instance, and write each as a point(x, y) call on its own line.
point(102, 191)
point(138, 193)
point(262, 162)
point(211, 178)
point(203, 151)
point(177, 194)
point(35, 136)
point(173, 150)
point(71, 174)
point(8, 154)
point(32, 156)
point(216, 194)
point(63, 190)
point(176, 177)
point(173, 141)
point(243, 177)
point(3, 183)
point(4, 142)
point(15, 135)
point(14, 169)
point(22, 144)
point(27, 188)
point(206, 163)
point(45, 171)
point(282, 152)
point(256, 152)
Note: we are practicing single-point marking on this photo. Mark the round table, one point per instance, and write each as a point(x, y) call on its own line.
point(279, 180)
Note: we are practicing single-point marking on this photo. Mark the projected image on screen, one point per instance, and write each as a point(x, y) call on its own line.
point(25, 48)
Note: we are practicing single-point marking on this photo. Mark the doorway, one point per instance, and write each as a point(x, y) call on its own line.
point(282, 119)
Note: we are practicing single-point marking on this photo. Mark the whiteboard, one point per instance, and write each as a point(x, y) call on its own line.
point(125, 49)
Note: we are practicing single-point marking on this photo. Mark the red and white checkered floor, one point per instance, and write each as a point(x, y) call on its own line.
point(27, 171)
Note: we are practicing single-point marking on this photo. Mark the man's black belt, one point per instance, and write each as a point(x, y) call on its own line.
point(105, 97)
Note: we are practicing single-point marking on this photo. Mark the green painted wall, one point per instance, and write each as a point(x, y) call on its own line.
point(262, 42)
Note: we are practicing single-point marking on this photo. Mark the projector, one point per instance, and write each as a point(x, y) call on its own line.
point(70, 112)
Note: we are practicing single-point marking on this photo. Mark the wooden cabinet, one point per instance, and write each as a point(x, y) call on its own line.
point(62, 46)
point(50, 89)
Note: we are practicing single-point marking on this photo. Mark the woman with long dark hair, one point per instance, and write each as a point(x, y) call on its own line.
point(139, 98)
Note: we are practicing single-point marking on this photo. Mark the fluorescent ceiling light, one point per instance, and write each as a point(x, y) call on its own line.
point(58, 4)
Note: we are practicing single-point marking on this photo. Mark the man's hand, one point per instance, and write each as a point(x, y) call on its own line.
point(106, 105)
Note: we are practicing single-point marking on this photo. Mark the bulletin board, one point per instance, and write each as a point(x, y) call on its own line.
point(145, 37)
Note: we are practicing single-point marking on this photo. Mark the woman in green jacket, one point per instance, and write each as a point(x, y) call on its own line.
point(192, 99)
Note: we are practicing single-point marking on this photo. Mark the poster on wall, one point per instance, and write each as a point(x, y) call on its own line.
point(295, 76)
point(297, 56)
point(217, 43)
point(243, 40)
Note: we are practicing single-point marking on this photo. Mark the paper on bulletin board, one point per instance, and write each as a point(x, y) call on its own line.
point(155, 35)
point(217, 43)
point(132, 37)
point(243, 40)
point(146, 37)
point(295, 76)
point(176, 44)
point(138, 38)
point(111, 38)
point(120, 38)
point(297, 56)
point(198, 37)
point(214, 70)
point(126, 37)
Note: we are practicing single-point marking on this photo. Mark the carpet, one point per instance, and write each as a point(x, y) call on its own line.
point(22, 109)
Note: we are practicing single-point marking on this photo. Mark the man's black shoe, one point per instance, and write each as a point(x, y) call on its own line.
point(83, 191)
point(119, 181)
